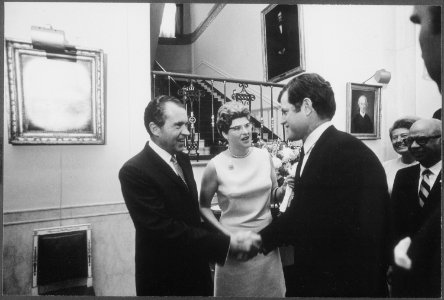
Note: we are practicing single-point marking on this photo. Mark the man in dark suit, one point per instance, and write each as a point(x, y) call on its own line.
point(361, 122)
point(417, 257)
point(284, 41)
point(173, 250)
point(337, 221)
point(416, 214)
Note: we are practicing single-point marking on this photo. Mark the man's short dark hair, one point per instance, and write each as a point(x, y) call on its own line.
point(154, 112)
point(314, 87)
point(405, 122)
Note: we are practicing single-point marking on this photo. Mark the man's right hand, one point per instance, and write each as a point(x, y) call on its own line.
point(245, 245)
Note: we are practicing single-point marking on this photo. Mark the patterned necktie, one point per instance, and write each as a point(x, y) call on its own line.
point(178, 169)
point(298, 168)
point(424, 188)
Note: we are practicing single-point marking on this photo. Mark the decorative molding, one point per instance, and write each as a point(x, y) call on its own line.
point(19, 217)
point(190, 38)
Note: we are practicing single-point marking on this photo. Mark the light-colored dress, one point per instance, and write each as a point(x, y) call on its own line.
point(392, 167)
point(244, 199)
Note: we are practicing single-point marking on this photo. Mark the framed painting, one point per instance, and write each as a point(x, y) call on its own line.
point(55, 98)
point(364, 110)
point(283, 41)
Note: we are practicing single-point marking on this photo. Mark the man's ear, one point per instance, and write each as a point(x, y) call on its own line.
point(155, 130)
point(307, 106)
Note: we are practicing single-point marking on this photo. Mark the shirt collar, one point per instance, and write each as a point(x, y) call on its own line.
point(435, 169)
point(161, 152)
point(314, 136)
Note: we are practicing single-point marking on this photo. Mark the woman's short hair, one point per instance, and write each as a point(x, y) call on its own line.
point(228, 112)
point(155, 111)
point(405, 122)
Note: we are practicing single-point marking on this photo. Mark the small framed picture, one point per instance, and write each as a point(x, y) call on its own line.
point(283, 40)
point(55, 97)
point(364, 110)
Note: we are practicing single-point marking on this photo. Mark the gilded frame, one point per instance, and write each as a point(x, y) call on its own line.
point(55, 98)
point(283, 49)
point(369, 126)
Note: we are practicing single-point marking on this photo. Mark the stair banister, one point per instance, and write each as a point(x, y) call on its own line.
point(221, 79)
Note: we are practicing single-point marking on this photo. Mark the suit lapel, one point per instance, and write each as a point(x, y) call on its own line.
point(434, 197)
point(187, 173)
point(437, 184)
point(163, 167)
point(316, 154)
point(311, 169)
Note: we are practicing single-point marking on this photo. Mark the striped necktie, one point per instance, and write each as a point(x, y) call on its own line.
point(424, 188)
point(178, 169)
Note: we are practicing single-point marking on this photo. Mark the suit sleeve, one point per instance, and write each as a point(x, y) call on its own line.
point(146, 206)
point(429, 234)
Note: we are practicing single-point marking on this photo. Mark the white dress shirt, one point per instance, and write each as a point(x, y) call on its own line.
point(311, 140)
point(163, 154)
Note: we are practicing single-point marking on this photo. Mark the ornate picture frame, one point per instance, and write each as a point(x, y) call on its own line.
point(283, 40)
point(55, 97)
point(364, 111)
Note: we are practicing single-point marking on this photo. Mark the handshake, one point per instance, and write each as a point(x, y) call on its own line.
point(245, 245)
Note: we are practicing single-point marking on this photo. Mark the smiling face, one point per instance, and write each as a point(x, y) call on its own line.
point(429, 153)
point(398, 138)
point(294, 120)
point(171, 136)
point(239, 134)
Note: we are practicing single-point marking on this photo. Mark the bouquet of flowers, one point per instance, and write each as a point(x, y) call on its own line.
point(284, 155)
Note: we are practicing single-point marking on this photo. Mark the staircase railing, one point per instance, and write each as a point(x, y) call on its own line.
point(170, 83)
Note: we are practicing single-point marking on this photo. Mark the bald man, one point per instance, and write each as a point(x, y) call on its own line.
point(416, 215)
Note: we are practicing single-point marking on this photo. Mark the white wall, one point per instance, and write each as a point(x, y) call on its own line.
point(343, 43)
point(46, 186)
point(45, 176)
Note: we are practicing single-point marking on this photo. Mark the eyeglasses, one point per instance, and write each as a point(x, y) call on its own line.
point(238, 128)
point(420, 140)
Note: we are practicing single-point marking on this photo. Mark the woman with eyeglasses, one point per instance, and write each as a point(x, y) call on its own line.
point(244, 180)
point(399, 133)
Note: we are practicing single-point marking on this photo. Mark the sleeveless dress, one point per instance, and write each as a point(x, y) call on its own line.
point(244, 198)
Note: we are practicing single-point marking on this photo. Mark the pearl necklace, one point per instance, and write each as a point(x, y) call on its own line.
point(239, 156)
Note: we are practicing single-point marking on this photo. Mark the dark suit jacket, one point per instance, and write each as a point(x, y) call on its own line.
point(337, 221)
point(423, 226)
point(361, 124)
point(172, 249)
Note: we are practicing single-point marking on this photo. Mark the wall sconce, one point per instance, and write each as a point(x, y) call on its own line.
point(48, 38)
point(381, 76)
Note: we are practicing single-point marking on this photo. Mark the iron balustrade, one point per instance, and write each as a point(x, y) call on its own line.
point(196, 88)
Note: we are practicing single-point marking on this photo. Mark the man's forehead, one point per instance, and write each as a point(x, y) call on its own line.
point(421, 128)
point(173, 110)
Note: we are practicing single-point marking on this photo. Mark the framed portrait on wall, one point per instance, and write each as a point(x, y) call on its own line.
point(55, 97)
point(283, 41)
point(364, 110)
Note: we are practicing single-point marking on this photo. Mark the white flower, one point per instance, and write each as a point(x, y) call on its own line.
point(277, 163)
point(288, 154)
